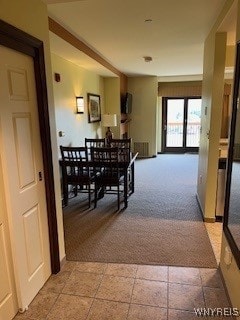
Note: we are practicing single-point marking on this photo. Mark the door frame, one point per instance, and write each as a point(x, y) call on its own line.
point(164, 123)
point(23, 42)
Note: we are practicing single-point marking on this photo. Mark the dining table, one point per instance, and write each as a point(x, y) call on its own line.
point(127, 167)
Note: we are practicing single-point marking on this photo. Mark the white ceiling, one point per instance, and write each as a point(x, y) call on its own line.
point(117, 31)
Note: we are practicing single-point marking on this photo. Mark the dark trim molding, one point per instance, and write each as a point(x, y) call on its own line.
point(234, 248)
point(184, 148)
point(20, 41)
point(209, 220)
point(67, 36)
point(199, 205)
point(164, 124)
point(63, 33)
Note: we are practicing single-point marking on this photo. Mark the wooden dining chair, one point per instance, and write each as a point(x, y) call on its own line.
point(124, 146)
point(76, 172)
point(107, 172)
point(96, 143)
point(121, 143)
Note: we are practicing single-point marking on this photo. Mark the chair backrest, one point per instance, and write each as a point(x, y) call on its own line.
point(106, 158)
point(97, 143)
point(74, 153)
point(73, 163)
point(121, 143)
point(124, 146)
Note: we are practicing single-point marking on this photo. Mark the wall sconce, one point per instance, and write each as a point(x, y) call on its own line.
point(80, 104)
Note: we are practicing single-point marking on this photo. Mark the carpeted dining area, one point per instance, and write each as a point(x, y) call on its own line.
point(162, 224)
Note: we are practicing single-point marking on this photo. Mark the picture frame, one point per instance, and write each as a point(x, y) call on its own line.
point(94, 107)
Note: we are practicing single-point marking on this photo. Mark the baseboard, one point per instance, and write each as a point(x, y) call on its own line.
point(62, 262)
point(219, 218)
point(199, 205)
point(147, 157)
point(209, 220)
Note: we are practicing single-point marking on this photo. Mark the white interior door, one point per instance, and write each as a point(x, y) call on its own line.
point(23, 176)
point(8, 296)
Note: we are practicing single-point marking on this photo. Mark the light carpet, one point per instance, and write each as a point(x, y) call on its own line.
point(162, 224)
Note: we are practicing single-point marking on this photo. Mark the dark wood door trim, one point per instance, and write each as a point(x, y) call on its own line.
point(185, 113)
point(164, 123)
point(231, 241)
point(184, 148)
point(20, 41)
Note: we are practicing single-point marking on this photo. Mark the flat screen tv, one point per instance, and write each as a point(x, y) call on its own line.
point(126, 106)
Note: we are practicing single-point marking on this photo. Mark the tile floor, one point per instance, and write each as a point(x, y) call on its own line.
point(99, 291)
point(214, 231)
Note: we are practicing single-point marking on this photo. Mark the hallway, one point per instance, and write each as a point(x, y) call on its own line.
point(161, 225)
point(100, 291)
point(114, 291)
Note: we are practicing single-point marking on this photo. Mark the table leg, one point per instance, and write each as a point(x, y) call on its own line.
point(125, 187)
point(101, 193)
point(133, 176)
point(65, 193)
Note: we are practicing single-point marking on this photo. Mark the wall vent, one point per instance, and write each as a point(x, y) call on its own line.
point(142, 148)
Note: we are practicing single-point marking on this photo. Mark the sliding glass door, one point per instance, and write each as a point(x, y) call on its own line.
point(181, 124)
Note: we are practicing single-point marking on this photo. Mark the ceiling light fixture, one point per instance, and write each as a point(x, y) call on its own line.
point(148, 20)
point(147, 59)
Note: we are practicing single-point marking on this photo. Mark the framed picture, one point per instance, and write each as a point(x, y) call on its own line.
point(94, 107)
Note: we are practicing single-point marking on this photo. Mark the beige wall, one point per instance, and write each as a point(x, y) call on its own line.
point(142, 128)
point(112, 102)
point(231, 273)
point(212, 97)
point(75, 81)
point(212, 101)
point(208, 149)
point(230, 56)
point(20, 14)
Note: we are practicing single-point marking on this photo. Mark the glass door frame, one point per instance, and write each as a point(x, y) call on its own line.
point(184, 147)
